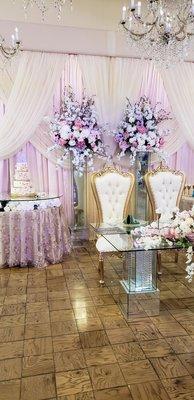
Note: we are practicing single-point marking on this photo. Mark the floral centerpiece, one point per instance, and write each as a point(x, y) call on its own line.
point(179, 231)
point(139, 128)
point(76, 131)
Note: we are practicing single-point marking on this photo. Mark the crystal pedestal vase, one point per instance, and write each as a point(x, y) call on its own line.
point(141, 167)
point(79, 228)
point(138, 288)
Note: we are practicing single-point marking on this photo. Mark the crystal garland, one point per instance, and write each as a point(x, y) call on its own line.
point(160, 30)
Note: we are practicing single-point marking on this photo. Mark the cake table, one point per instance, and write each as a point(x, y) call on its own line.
point(32, 231)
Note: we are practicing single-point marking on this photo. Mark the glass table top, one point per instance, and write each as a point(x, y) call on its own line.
point(7, 198)
point(125, 242)
point(105, 228)
point(120, 237)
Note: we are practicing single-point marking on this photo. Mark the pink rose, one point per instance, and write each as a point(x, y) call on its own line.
point(62, 142)
point(142, 129)
point(78, 123)
point(134, 144)
point(81, 145)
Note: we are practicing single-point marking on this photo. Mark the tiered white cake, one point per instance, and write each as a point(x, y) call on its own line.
point(22, 186)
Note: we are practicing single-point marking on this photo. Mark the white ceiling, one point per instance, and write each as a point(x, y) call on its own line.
point(92, 14)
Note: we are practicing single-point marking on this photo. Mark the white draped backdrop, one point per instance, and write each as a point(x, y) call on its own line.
point(32, 89)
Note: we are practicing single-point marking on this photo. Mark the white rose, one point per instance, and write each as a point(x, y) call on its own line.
point(72, 142)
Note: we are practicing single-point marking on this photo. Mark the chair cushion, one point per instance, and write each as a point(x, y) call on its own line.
point(165, 186)
point(112, 189)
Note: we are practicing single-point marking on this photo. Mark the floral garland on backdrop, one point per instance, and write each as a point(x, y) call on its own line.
point(76, 131)
point(139, 128)
point(179, 231)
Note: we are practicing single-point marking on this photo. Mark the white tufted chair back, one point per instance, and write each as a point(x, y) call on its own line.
point(112, 190)
point(165, 187)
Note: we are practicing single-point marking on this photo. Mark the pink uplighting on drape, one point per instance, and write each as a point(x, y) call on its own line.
point(46, 177)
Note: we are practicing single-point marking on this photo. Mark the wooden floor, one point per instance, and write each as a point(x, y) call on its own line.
point(63, 337)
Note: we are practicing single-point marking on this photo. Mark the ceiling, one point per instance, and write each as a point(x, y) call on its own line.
point(91, 28)
point(92, 14)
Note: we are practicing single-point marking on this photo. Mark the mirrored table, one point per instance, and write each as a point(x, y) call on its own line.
point(138, 285)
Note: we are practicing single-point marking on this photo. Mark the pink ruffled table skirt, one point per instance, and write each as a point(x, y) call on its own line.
point(33, 237)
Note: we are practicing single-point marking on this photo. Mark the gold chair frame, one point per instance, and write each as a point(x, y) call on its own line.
point(163, 168)
point(107, 170)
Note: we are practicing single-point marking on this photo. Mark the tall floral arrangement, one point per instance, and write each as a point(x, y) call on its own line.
point(75, 129)
point(139, 128)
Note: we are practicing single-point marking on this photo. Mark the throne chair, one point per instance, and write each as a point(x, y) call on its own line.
point(165, 187)
point(112, 189)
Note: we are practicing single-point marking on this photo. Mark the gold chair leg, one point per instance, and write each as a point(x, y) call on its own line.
point(159, 263)
point(101, 268)
point(176, 256)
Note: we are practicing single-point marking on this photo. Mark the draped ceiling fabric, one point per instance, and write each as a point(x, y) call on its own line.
point(34, 88)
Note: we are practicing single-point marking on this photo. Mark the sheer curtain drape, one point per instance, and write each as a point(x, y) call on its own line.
point(34, 87)
point(29, 98)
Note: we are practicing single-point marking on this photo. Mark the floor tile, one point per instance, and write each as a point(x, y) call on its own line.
point(103, 300)
point(89, 324)
point(99, 356)
point(181, 344)
point(126, 352)
point(179, 388)
point(188, 361)
point(37, 318)
point(78, 396)
point(138, 371)
point(85, 312)
point(145, 331)
point(114, 323)
point(72, 382)
point(11, 350)
point(39, 307)
point(35, 365)
point(69, 360)
point(156, 348)
point(10, 369)
point(12, 320)
point(171, 329)
point(34, 331)
point(35, 347)
point(66, 342)
point(59, 304)
point(168, 367)
point(149, 391)
point(106, 376)
point(117, 393)
point(94, 339)
point(39, 387)
point(62, 315)
point(10, 390)
point(120, 335)
point(14, 309)
point(63, 328)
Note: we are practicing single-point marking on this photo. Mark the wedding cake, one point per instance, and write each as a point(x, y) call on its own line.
point(21, 186)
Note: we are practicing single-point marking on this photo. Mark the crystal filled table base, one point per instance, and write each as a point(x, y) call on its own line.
point(138, 294)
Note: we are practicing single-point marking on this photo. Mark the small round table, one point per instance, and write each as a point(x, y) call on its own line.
point(33, 231)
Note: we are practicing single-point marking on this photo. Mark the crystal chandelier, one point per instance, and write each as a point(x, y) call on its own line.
point(44, 6)
point(9, 51)
point(161, 30)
